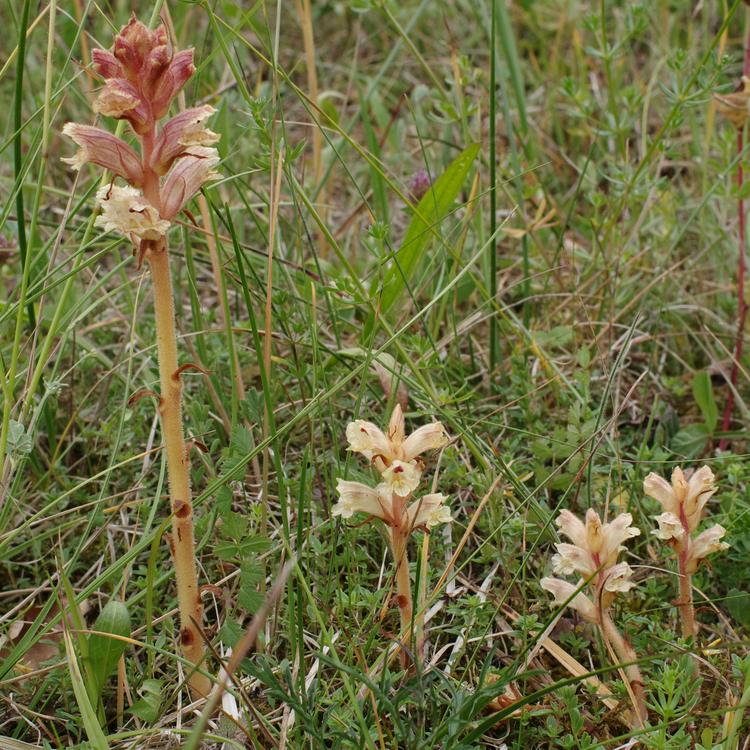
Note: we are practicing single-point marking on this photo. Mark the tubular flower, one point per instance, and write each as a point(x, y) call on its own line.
point(180, 132)
point(567, 594)
point(704, 544)
point(684, 502)
point(97, 146)
point(186, 177)
point(593, 555)
point(355, 497)
point(393, 454)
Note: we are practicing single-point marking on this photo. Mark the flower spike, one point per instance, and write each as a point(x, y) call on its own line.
point(683, 501)
point(592, 555)
point(142, 75)
point(395, 457)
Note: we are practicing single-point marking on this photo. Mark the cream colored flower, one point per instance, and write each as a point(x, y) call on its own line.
point(125, 210)
point(428, 437)
point(429, 511)
point(371, 441)
point(402, 477)
point(670, 527)
point(355, 497)
point(706, 543)
point(393, 454)
point(567, 594)
point(595, 545)
point(571, 558)
point(683, 497)
point(619, 578)
point(367, 439)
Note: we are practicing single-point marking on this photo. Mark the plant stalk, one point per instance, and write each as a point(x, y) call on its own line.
point(685, 604)
point(626, 655)
point(178, 472)
point(399, 542)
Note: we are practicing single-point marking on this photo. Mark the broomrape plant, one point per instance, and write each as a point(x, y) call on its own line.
point(142, 75)
point(396, 458)
point(684, 501)
point(593, 554)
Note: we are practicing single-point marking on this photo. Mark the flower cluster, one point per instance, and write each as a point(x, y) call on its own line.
point(684, 501)
point(396, 458)
point(593, 554)
point(142, 75)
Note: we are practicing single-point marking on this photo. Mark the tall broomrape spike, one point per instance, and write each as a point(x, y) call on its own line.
point(142, 75)
point(593, 555)
point(683, 502)
point(395, 457)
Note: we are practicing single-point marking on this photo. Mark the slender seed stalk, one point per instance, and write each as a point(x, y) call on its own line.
point(178, 472)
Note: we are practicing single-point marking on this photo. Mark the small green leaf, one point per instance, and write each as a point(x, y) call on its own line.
point(104, 651)
point(147, 707)
point(690, 441)
point(703, 393)
point(434, 206)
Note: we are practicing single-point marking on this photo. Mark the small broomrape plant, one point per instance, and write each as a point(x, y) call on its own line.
point(142, 75)
point(683, 501)
point(396, 458)
point(593, 555)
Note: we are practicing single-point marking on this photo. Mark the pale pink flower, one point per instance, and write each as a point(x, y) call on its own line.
point(97, 146)
point(670, 527)
point(402, 477)
point(355, 497)
point(684, 501)
point(185, 178)
point(428, 511)
point(180, 132)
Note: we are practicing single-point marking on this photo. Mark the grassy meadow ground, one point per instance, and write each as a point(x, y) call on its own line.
point(571, 343)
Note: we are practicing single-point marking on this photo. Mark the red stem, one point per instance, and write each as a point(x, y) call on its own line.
point(741, 305)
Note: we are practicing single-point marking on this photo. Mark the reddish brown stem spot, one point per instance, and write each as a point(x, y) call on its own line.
point(181, 509)
point(186, 637)
point(402, 601)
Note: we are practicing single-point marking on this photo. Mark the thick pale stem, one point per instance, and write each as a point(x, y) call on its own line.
point(685, 604)
point(170, 410)
point(399, 542)
point(626, 654)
